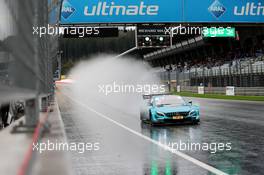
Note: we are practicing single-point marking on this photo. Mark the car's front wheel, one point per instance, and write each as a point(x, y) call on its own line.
point(150, 117)
point(196, 122)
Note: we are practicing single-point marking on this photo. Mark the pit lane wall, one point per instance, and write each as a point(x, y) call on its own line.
point(19, 156)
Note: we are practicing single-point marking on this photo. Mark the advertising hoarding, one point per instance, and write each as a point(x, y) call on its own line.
point(162, 11)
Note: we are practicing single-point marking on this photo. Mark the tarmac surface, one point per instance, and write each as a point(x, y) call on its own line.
point(129, 147)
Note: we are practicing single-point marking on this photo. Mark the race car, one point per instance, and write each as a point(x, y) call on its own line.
point(168, 109)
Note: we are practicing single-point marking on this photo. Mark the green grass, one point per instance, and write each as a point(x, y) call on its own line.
point(219, 96)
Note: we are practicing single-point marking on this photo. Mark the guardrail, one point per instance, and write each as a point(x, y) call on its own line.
point(244, 91)
point(27, 73)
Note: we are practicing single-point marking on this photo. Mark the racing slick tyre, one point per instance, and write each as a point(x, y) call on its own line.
point(196, 122)
point(145, 119)
point(150, 118)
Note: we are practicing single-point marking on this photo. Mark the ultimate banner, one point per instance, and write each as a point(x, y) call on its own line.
point(161, 11)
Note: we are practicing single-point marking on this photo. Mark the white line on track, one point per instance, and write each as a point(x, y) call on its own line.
point(165, 147)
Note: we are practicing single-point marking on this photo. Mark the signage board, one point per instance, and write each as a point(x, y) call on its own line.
point(153, 30)
point(178, 88)
point(201, 90)
point(153, 36)
point(230, 91)
point(219, 32)
point(161, 11)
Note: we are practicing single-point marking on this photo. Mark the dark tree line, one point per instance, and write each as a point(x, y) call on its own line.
point(77, 49)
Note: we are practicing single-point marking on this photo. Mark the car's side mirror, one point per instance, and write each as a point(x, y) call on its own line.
point(190, 102)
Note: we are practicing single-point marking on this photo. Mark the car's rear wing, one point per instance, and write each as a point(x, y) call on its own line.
point(149, 96)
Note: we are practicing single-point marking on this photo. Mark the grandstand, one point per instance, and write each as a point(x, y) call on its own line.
point(213, 62)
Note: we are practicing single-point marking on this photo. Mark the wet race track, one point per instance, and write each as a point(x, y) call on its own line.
point(129, 147)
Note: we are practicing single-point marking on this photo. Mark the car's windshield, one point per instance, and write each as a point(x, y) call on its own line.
point(169, 101)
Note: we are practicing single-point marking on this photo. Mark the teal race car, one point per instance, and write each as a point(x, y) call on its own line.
point(168, 109)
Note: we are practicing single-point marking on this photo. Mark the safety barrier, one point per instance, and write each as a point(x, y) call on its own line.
point(26, 61)
point(246, 91)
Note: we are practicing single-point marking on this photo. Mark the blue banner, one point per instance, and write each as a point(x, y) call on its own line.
point(162, 11)
point(224, 11)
